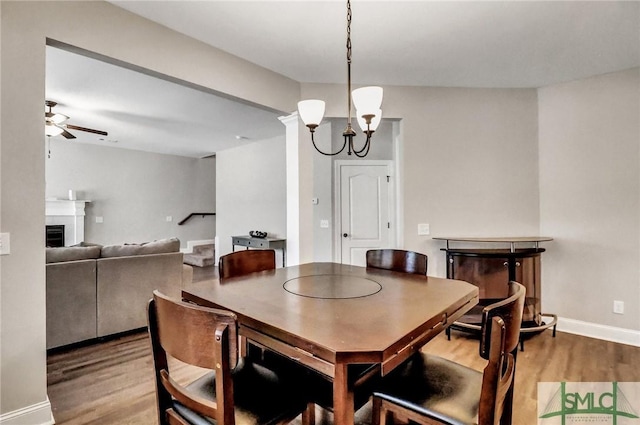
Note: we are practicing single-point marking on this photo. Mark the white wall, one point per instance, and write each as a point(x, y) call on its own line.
point(251, 192)
point(124, 37)
point(134, 192)
point(590, 197)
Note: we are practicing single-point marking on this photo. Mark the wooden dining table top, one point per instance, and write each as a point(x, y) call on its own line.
point(336, 312)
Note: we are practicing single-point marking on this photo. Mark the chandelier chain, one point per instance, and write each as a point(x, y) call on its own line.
point(348, 31)
point(349, 129)
point(349, 133)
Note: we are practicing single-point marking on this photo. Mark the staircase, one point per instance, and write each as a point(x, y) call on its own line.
point(202, 256)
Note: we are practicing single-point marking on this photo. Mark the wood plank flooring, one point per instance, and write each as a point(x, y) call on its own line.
point(111, 382)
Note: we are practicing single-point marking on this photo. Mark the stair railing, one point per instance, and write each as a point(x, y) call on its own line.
point(184, 220)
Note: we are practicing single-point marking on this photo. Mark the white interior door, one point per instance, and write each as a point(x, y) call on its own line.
point(366, 207)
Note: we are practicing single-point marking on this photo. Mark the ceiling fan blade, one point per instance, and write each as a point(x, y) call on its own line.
point(89, 130)
point(67, 135)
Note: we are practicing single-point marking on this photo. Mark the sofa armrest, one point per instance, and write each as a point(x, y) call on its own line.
point(71, 302)
point(187, 275)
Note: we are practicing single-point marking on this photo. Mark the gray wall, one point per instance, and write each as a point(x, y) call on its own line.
point(134, 192)
point(469, 158)
point(590, 197)
point(251, 192)
point(117, 34)
point(468, 161)
point(330, 134)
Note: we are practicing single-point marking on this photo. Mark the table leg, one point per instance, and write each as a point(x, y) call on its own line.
point(343, 403)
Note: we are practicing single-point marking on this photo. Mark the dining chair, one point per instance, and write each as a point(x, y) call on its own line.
point(235, 391)
point(244, 262)
point(397, 260)
point(432, 390)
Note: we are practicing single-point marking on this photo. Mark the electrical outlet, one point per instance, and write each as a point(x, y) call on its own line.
point(169, 218)
point(618, 307)
point(324, 224)
point(99, 219)
point(423, 229)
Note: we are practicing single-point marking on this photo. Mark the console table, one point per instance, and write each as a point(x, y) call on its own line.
point(490, 263)
point(261, 243)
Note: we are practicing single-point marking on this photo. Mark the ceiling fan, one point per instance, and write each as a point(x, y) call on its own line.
point(53, 124)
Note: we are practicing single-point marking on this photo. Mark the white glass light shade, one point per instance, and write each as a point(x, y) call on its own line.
point(367, 100)
point(52, 130)
point(311, 111)
point(375, 121)
point(58, 118)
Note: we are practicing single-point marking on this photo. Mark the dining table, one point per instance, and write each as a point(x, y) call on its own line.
point(331, 317)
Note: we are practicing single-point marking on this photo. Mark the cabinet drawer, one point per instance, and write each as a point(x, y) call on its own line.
point(254, 243)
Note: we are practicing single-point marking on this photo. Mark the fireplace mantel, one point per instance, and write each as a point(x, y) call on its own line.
point(70, 214)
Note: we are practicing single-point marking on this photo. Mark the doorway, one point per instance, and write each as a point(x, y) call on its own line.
point(365, 208)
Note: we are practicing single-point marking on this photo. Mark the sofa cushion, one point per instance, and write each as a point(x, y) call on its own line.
point(72, 253)
point(87, 244)
point(161, 246)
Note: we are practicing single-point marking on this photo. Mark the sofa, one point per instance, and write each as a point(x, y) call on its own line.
point(94, 291)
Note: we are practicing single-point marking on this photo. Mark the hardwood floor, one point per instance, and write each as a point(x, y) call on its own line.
point(204, 273)
point(112, 382)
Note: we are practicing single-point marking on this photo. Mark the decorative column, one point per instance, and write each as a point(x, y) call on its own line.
point(299, 192)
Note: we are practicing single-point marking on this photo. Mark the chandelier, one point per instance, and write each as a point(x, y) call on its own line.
point(367, 101)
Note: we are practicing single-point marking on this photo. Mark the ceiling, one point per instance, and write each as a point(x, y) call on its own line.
point(149, 114)
point(425, 43)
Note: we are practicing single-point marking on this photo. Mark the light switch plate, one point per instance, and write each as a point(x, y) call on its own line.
point(5, 243)
point(99, 219)
point(618, 307)
point(423, 229)
point(324, 224)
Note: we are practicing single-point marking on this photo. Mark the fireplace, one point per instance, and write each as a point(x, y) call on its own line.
point(54, 235)
point(68, 214)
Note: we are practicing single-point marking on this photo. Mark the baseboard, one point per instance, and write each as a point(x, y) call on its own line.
point(36, 414)
point(191, 244)
point(595, 330)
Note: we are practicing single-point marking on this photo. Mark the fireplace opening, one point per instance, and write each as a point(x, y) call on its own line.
point(54, 235)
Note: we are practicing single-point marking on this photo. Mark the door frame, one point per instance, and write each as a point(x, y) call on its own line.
point(337, 193)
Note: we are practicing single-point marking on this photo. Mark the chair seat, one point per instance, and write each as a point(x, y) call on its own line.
point(260, 395)
point(435, 387)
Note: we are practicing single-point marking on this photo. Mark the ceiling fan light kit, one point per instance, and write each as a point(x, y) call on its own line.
point(55, 118)
point(367, 101)
point(53, 124)
point(52, 130)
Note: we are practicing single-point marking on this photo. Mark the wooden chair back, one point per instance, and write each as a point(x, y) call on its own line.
point(397, 260)
point(510, 310)
point(244, 262)
point(497, 377)
point(198, 336)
